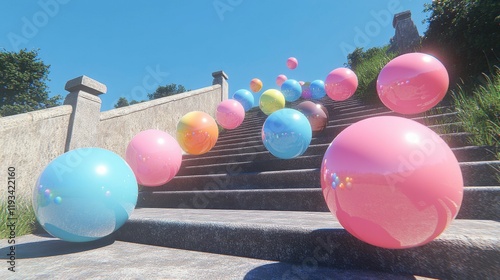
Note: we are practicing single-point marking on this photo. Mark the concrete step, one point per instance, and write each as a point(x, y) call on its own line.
point(329, 132)
point(481, 203)
point(441, 118)
point(468, 249)
point(463, 154)
point(232, 177)
point(452, 139)
point(481, 173)
point(46, 257)
point(259, 153)
point(345, 120)
point(272, 164)
point(255, 139)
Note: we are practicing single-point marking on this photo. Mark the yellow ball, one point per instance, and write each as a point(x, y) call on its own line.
point(271, 100)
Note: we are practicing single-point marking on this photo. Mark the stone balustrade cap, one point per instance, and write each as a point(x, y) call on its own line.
point(86, 84)
point(400, 16)
point(220, 73)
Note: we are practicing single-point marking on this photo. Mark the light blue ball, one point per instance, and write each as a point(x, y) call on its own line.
point(317, 89)
point(245, 97)
point(85, 194)
point(286, 133)
point(291, 89)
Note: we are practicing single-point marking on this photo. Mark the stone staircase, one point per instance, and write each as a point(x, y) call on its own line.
point(241, 201)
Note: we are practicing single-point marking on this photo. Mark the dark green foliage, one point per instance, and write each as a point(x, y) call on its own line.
point(23, 86)
point(161, 91)
point(122, 102)
point(464, 35)
point(168, 90)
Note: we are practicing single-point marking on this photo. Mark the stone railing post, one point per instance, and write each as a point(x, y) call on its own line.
point(406, 39)
point(220, 78)
point(84, 120)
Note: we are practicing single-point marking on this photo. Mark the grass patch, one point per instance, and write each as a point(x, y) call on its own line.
point(443, 122)
point(25, 223)
point(479, 112)
point(367, 70)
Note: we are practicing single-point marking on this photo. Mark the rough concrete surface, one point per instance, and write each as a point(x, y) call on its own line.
point(467, 249)
point(28, 142)
point(44, 257)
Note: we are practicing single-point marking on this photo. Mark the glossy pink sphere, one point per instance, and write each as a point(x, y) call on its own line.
point(391, 182)
point(281, 79)
point(340, 84)
point(154, 156)
point(412, 83)
point(230, 114)
point(292, 63)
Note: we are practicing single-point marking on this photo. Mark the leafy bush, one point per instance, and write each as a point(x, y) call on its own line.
point(464, 35)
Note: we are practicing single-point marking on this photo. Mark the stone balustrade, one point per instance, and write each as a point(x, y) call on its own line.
point(30, 141)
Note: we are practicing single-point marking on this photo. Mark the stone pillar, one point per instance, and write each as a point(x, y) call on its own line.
point(84, 120)
point(220, 78)
point(406, 38)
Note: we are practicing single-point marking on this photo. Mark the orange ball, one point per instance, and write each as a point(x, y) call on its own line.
point(255, 85)
point(197, 132)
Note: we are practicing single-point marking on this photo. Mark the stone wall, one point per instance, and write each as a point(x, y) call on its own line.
point(29, 141)
point(118, 126)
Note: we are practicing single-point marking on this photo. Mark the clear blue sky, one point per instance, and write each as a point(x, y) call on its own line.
point(119, 43)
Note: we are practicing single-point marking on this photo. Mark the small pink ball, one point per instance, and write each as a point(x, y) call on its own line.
point(281, 79)
point(292, 63)
point(154, 156)
point(340, 84)
point(230, 114)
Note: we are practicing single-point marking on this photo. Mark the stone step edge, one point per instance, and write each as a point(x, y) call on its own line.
point(275, 164)
point(342, 122)
point(462, 164)
point(324, 145)
point(482, 203)
point(255, 134)
point(79, 260)
point(467, 249)
point(459, 138)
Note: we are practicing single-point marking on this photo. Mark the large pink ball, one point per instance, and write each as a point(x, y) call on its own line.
point(154, 156)
point(281, 79)
point(412, 83)
point(391, 182)
point(340, 84)
point(292, 63)
point(230, 114)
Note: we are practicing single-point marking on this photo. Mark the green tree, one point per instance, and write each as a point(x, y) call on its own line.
point(464, 35)
point(23, 78)
point(168, 90)
point(122, 102)
point(161, 91)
